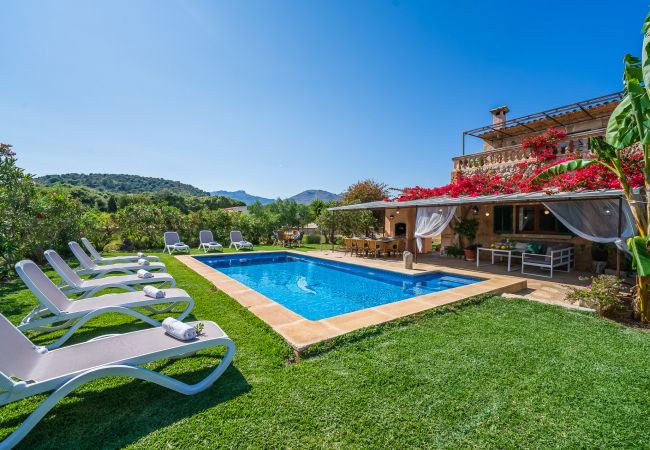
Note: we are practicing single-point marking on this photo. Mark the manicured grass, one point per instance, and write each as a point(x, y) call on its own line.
point(487, 373)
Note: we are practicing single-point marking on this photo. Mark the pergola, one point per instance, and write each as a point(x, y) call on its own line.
point(499, 199)
point(560, 116)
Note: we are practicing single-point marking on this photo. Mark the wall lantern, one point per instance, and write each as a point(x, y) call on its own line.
point(475, 210)
point(487, 214)
point(391, 217)
point(547, 212)
point(607, 212)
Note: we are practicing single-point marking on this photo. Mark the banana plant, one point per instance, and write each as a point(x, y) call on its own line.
point(629, 125)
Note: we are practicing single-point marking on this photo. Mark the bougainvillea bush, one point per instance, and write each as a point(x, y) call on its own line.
point(544, 149)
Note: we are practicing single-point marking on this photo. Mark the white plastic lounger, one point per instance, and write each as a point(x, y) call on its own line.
point(237, 241)
point(56, 308)
point(173, 243)
point(74, 284)
point(27, 370)
point(90, 267)
point(207, 242)
point(99, 259)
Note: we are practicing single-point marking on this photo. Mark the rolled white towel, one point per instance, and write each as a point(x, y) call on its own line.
point(179, 330)
point(144, 274)
point(143, 262)
point(141, 255)
point(153, 292)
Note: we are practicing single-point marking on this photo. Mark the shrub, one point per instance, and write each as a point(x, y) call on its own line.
point(313, 239)
point(454, 250)
point(59, 219)
point(607, 294)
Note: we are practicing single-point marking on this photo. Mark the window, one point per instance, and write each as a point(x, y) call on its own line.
point(503, 219)
point(537, 219)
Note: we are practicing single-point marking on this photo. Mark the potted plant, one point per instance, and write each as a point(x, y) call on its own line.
point(599, 256)
point(467, 228)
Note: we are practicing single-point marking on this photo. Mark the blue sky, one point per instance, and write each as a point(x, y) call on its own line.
point(275, 97)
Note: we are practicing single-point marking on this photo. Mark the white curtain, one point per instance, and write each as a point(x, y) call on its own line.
point(431, 221)
point(595, 220)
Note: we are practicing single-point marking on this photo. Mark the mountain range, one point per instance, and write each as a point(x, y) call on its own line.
point(121, 183)
point(304, 197)
point(131, 184)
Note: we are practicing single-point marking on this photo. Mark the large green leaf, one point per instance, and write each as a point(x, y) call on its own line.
point(564, 167)
point(640, 109)
point(604, 152)
point(621, 128)
point(645, 55)
point(633, 70)
point(640, 257)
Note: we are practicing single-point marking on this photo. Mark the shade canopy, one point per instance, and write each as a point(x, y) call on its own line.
point(521, 197)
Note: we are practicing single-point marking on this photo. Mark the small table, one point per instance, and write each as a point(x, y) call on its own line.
point(510, 253)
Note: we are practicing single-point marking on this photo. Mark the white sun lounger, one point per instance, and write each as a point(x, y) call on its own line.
point(56, 308)
point(99, 259)
point(207, 242)
point(90, 267)
point(74, 284)
point(173, 243)
point(27, 370)
point(237, 241)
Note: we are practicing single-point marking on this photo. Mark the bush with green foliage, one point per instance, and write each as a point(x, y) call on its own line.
point(607, 294)
point(17, 209)
point(454, 250)
point(313, 239)
point(35, 219)
point(347, 223)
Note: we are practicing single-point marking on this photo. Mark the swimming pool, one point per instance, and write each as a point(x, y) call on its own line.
point(317, 289)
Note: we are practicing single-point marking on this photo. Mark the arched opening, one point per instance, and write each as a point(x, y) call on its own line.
point(400, 230)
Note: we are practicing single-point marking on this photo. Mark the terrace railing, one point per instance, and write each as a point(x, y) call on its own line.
point(503, 160)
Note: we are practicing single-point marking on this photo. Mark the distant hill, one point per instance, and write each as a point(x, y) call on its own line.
point(304, 197)
point(120, 183)
point(243, 196)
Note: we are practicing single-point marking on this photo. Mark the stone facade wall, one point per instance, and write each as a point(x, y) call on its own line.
point(406, 216)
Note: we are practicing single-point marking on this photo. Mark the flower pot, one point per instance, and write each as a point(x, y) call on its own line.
point(470, 255)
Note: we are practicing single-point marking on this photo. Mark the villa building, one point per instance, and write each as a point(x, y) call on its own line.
point(502, 150)
point(521, 217)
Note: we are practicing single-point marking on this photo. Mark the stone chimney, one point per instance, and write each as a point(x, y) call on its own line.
point(499, 116)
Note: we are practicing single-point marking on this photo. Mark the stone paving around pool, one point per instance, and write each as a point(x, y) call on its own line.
point(302, 333)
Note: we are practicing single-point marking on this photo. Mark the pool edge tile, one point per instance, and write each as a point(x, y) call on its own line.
point(302, 333)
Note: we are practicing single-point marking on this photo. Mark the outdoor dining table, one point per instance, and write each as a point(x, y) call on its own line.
point(509, 253)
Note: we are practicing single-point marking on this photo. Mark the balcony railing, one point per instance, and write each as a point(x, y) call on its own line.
point(504, 159)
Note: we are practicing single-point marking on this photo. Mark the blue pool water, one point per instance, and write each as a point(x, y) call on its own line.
point(317, 289)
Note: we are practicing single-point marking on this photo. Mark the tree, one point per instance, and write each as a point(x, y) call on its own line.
point(348, 223)
point(17, 192)
point(628, 127)
point(316, 207)
point(365, 191)
point(112, 204)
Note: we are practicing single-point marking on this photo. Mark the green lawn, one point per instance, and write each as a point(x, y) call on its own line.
point(488, 373)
